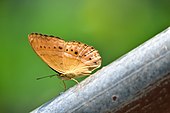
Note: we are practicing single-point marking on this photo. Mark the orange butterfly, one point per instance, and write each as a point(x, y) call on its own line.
point(70, 59)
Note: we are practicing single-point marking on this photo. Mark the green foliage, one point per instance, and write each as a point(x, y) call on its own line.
point(114, 27)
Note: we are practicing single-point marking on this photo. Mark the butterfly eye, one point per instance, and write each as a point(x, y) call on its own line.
point(40, 46)
point(71, 49)
point(89, 58)
point(54, 47)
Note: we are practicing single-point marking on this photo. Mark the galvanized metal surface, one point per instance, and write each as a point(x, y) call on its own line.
point(123, 86)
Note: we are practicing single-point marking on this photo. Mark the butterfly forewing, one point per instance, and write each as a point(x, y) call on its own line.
point(68, 58)
point(48, 49)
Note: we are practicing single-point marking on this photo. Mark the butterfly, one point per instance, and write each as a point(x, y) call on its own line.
point(70, 59)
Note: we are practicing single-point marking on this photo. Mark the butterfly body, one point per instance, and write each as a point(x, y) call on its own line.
point(71, 59)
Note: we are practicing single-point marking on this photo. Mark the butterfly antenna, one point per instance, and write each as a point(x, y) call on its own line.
point(46, 76)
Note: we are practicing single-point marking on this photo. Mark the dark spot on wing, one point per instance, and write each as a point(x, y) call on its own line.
point(60, 47)
point(76, 52)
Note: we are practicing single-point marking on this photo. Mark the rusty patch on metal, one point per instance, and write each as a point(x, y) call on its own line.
point(114, 97)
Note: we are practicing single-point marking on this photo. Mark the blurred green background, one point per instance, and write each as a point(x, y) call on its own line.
point(114, 27)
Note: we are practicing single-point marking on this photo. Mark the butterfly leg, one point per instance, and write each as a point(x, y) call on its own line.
point(64, 85)
point(75, 80)
point(78, 84)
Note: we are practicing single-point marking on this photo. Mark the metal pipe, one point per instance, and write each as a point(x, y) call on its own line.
point(136, 82)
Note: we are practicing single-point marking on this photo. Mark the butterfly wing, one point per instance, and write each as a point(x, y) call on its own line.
point(49, 48)
point(80, 59)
